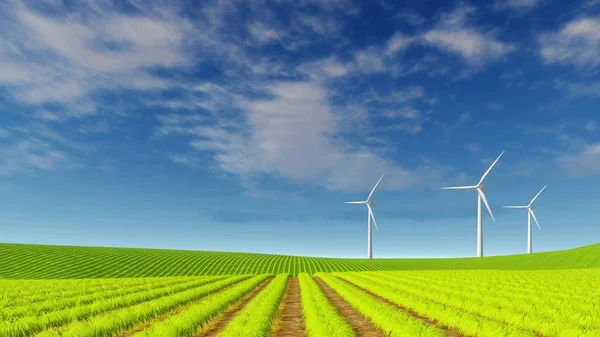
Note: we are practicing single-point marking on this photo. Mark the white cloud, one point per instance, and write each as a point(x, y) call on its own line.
point(30, 154)
point(324, 26)
point(369, 61)
point(577, 43)
point(263, 33)
point(576, 89)
point(407, 112)
point(454, 35)
point(584, 163)
point(295, 135)
point(185, 159)
point(63, 57)
point(396, 43)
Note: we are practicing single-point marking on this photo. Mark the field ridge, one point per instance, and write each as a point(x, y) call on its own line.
point(26, 261)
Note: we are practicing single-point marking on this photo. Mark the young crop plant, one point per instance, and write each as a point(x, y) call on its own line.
point(467, 323)
point(118, 320)
point(549, 303)
point(58, 302)
point(256, 319)
point(29, 325)
point(394, 322)
point(321, 317)
point(189, 321)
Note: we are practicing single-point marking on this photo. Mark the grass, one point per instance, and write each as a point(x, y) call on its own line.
point(24, 261)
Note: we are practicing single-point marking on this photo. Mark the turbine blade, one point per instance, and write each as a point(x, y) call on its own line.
point(514, 206)
point(537, 195)
point(460, 188)
point(488, 170)
point(373, 190)
point(486, 203)
point(534, 218)
point(355, 202)
point(373, 217)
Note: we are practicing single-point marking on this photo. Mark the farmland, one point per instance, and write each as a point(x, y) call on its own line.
point(67, 262)
point(51, 291)
point(383, 303)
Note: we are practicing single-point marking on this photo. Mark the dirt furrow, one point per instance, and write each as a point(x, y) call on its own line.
point(145, 325)
point(290, 322)
point(214, 327)
point(450, 332)
point(360, 324)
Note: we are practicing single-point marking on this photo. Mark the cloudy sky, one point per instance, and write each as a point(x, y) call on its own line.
point(244, 125)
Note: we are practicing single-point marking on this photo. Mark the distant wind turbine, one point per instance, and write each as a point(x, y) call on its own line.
point(369, 204)
point(480, 196)
point(530, 214)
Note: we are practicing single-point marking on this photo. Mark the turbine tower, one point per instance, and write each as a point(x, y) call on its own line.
point(370, 217)
point(530, 214)
point(480, 196)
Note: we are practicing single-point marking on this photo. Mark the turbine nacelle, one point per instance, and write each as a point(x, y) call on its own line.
point(529, 207)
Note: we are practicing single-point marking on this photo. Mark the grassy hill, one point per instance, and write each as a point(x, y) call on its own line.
point(45, 261)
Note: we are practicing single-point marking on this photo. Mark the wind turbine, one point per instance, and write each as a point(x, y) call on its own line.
point(530, 214)
point(370, 216)
point(480, 196)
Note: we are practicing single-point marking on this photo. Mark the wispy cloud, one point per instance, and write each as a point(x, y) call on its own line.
point(473, 148)
point(453, 34)
point(576, 43)
point(63, 58)
point(590, 126)
point(584, 163)
point(517, 5)
point(295, 135)
point(578, 89)
point(54, 64)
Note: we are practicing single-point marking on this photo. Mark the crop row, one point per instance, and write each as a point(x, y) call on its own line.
point(468, 315)
point(126, 318)
point(192, 319)
point(28, 325)
point(384, 316)
point(256, 319)
point(546, 310)
point(83, 296)
point(321, 317)
point(399, 303)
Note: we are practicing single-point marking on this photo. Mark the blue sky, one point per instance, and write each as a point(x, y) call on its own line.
point(244, 125)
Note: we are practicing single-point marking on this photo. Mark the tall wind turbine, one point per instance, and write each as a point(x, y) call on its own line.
point(530, 214)
point(480, 196)
point(370, 217)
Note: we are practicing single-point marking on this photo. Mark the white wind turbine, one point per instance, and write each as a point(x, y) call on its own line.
point(369, 204)
point(530, 214)
point(480, 196)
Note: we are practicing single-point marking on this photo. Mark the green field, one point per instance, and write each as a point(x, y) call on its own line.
point(68, 262)
point(418, 303)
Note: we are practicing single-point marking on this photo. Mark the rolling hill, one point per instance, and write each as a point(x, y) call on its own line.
point(25, 261)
